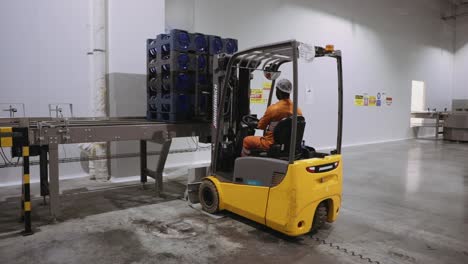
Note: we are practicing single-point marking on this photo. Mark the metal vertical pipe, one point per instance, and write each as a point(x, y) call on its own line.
point(143, 161)
point(292, 148)
point(54, 202)
point(97, 55)
point(340, 105)
point(160, 167)
point(43, 171)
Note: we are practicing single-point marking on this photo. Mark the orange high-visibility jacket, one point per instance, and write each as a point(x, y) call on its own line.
point(274, 114)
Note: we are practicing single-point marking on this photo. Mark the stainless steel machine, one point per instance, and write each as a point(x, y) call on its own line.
point(456, 123)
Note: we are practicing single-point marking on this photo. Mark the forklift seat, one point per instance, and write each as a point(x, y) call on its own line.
point(282, 137)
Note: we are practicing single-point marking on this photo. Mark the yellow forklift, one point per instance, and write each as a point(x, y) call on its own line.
point(290, 188)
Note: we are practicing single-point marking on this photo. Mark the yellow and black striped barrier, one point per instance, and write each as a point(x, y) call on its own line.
point(26, 192)
point(6, 137)
point(17, 139)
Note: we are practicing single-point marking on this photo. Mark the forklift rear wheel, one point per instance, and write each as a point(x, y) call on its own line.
point(209, 198)
point(320, 216)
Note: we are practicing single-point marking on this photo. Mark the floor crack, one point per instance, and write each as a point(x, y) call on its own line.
point(348, 252)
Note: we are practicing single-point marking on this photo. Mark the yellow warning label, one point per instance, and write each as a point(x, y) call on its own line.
point(358, 100)
point(25, 151)
point(256, 91)
point(27, 206)
point(6, 141)
point(255, 94)
point(257, 101)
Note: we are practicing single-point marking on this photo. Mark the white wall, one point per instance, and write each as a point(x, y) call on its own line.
point(460, 90)
point(43, 60)
point(386, 44)
point(180, 14)
point(130, 24)
point(43, 54)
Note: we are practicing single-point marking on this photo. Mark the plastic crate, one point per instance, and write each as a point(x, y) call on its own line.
point(151, 49)
point(168, 117)
point(202, 63)
point(153, 103)
point(200, 44)
point(175, 103)
point(179, 74)
point(174, 82)
point(170, 108)
point(216, 45)
point(153, 85)
point(230, 46)
point(179, 40)
point(178, 61)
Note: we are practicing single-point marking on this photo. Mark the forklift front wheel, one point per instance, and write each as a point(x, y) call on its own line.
point(209, 198)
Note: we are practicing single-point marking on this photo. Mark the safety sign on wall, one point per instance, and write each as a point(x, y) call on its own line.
point(372, 100)
point(358, 100)
point(267, 86)
point(379, 101)
point(388, 100)
point(366, 100)
point(257, 101)
point(256, 93)
point(256, 96)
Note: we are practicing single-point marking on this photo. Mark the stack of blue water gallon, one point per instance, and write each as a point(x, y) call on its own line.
point(179, 81)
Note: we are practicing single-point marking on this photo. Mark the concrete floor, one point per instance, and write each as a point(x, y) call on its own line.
point(403, 202)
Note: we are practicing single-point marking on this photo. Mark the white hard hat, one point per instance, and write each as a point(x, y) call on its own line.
point(284, 85)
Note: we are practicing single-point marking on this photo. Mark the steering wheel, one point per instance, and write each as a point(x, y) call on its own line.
point(250, 120)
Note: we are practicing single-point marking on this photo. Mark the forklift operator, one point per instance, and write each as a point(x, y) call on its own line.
point(274, 113)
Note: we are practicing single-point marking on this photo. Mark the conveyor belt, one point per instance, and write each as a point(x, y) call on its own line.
point(50, 132)
point(45, 130)
point(34, 122)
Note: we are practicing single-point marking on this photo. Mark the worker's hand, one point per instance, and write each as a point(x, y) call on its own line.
point(253, 124)
point(250, 120)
